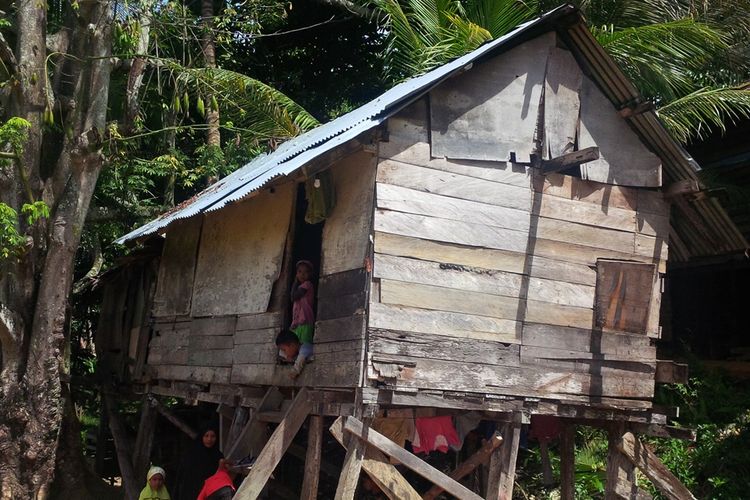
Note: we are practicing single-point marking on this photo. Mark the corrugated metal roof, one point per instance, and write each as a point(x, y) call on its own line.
point(294, 153)
point(722, 236)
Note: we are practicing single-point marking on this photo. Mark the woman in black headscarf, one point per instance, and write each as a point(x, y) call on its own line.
point(198, 464)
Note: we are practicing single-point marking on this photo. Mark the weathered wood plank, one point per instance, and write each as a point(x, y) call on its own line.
point(581, 234)
point(315, 374)
point(221, 325)
point(559, 292)
point(196, 342)
point(585, 340)
point(410, 319)
point(174, 287)
point(669, 372)
point(559, 315)
point(425, 345)
point(623, 295)
point(618, 367)
point(523, 380)
point(264, 336)
point(635, 354)
point(470, 113)
point(346, 231)
point(211, 357)
point(252, 232)
point(340, 329)
point(374, 438)
point(258, 321)
point(589, 214)
point(561, 102)
point(454, 185)
point(624, 159)
point(343, 283)
point(169, 339)
point(449, 231)
point(413, 201)
point(587, 255)
point(277, 445)
point(255, 353)
point(504, 172)
point(448, 299)
point(172, 355)
point(193, 373)
point(573, 188)
point(621, 481)
point(450, 276)
point(342, 306)
point(448, 253)
point(352, 466)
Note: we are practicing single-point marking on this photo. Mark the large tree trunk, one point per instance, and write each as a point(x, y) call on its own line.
point(35, 289)
point(213, 135)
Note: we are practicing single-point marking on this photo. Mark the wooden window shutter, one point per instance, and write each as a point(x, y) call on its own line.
point(623, 295)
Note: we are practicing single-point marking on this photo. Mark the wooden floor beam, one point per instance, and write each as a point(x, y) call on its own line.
point(275, 448)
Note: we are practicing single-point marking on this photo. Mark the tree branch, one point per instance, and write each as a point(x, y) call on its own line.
point(7, 56)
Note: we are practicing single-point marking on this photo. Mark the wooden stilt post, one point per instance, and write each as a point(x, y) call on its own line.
point(312, 458)
point(621, 481)
point(567, 461)
point(375, 463)
point(277, 445)
point(503, 462)
point(145, 438)
point(481, 456)
point(351, 469)
point(254, 434)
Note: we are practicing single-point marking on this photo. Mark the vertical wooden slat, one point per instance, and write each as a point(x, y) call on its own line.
point(567, 461)
point(503, 463)
point(312, 458)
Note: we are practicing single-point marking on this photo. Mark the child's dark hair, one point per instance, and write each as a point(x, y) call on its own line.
point(286, 337)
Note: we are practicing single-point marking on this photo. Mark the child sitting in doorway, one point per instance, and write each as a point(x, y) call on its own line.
point(291, 349)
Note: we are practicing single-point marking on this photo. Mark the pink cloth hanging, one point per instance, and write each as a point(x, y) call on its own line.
point(434, 433)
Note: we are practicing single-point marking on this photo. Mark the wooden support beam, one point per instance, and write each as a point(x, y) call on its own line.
point(567, 461)
point(503, 462)
point(312, 458)
point(253, 435)
point(349, 478)
point(280, 440)
point(375, 463)
point(647, 461)
point(482, 455)
point(547, 477)
point(669, 372)
point(664, 431)
point(355, 427)
point(636, 109)
point(569, 160)
point(621, 481)
point(682, 187)
point(145, 438)
point(175, 420)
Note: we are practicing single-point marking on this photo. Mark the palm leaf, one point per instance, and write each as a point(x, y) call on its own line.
point(696, 114)
point(498, 17)
point(260, 110)
point(664, 58)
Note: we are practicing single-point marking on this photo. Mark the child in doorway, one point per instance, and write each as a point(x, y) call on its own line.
point(291, 349)
point(303, 297)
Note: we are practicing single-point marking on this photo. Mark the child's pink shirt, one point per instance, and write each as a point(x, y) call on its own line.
point(302, 309)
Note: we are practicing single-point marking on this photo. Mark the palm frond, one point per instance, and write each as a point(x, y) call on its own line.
point(665, 58)
point(498, 17)
point(696, 114)
point(264, 112)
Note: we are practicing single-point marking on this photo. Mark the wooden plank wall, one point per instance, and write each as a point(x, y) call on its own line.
point(492, 266)
point(240, 349)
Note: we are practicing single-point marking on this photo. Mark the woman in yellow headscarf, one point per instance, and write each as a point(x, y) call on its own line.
point(155, 488)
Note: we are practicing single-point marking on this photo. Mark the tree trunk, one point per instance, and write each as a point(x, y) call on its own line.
point(213, 135)
point(35, 289)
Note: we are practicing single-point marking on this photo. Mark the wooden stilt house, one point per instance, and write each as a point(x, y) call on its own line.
point(497, 242)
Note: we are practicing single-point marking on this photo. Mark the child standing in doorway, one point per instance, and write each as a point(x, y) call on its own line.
point(303, 298)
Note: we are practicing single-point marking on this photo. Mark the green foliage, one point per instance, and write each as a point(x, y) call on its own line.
point(696, 114)
point(11, 242)
point(13, 134)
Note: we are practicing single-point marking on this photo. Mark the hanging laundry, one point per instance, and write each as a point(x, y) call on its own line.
point(321, 197)
point(544, 427)
point(465, 423)
point(397, 429)
point(434, 433)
